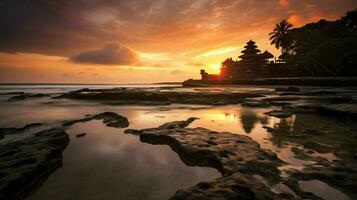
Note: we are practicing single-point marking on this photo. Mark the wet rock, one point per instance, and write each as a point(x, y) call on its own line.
point(279, 113)
point(340, 99)
point(235, 186)
point(343, 178)
point(149, 97)
point(26, 96)
point(279, 103)
point(114, 94)
point(312, 132)
point(12, 93)
point(287, 89)
point(345, 111)
point(302, 154)
point(178, 124)
point(237, 157)
point(301, 108)
point(258, 104)
point(81, 135)
point(283, 98)
point(13, 130)
point(292, 94)
point(321, 93)
point(26, 161)
point(320, 148)
point(110, 119)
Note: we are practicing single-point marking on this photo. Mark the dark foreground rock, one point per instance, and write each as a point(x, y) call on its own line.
point(110, 119)
point(235, 187)
point(287, 89)
point(343, 178)
point(12, 93)
point(256, 104)
point(24, 162)
point(81, 135)
point(26, 96)
point(14, 130)
point(140, 96)
point(279, 113)
point(237, 157)
point(342, 111)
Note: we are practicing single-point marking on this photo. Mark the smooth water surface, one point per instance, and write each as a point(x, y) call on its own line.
point(322, 190)
point(108, 164)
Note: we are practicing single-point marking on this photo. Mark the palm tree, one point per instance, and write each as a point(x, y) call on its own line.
point(279, 37)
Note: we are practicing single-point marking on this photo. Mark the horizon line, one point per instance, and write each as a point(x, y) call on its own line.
point(36, 83)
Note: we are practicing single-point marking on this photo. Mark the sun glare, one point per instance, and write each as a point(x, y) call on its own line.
point(215, 68)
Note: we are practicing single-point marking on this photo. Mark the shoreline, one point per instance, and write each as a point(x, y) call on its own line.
point(293, 81)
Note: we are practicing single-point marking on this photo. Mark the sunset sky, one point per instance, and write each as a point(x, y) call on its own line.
point(139, 41)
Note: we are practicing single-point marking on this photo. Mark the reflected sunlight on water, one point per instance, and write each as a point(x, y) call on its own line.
point(106, 155)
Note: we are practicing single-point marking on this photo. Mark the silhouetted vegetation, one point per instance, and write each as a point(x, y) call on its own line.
point(324, 48)
point(280, 37)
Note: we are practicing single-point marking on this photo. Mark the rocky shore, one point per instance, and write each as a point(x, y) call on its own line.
point(237, 157)
point(248, 171)
point(334, 102)
point(110, 119)
point(293, 81)
point(25, 162)
point(139, 96)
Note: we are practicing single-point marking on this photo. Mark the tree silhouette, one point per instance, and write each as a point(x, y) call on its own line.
point(279, 37)
point(350, 20)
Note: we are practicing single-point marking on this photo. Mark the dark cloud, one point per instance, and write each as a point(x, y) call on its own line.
point(64, 27)
point(110, 54)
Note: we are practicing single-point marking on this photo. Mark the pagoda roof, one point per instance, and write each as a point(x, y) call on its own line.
point(250, 42)
point(267, 55)
point(251, 56)
point(250, 51)
point(250, 46)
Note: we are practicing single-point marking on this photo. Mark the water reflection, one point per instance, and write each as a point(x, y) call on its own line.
point(322, 190)
point(249, 120)
point(106, 163)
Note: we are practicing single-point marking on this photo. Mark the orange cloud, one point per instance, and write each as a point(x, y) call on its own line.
point(166, 35)
point(283, 2)
point(295, 20)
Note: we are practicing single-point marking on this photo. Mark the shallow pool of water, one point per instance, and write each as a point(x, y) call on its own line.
point(108, 164)
point(322, 190)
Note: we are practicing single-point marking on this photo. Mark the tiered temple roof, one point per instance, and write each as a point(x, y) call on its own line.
point(251, 53)
point(252, 64)
point(267, 55)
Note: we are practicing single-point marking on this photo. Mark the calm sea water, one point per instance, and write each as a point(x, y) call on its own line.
point(108, 164)
point(59, 88)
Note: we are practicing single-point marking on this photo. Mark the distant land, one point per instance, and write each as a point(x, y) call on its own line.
point(159, 83)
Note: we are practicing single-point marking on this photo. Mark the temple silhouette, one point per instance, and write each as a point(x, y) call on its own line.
point(252, 64)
